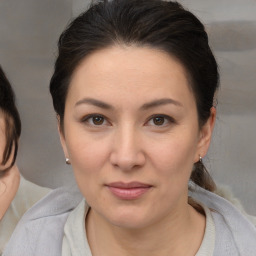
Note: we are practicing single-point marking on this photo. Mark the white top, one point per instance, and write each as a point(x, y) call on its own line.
point(208, 243)
point(27, 195)
point(75, 241)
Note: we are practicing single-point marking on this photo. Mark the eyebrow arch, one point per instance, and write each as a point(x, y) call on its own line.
point(94, 102)
point(160, 102)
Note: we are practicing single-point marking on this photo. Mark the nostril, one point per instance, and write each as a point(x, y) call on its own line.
point(127, 153)
point(127, 162)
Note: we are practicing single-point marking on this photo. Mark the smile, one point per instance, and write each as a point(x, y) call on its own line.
point(128, 191)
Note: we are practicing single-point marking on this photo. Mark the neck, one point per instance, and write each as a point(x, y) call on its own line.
point(9, 184)
point(179, 233)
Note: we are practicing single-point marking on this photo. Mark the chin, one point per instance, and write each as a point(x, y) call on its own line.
point(129, 219)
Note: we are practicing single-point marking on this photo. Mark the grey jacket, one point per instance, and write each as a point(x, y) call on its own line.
point(40, 232)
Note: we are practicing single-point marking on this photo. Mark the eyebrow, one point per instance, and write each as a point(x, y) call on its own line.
point(145, 106)
point(160, 102)
point(94, 102)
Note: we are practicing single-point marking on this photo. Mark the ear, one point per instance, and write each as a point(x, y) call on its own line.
point(205, 135)
point(62, 138)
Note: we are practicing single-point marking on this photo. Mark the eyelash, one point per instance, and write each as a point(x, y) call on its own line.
point(87, 118)
point(166, 118)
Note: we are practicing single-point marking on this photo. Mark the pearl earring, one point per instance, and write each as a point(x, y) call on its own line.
point(67, 161)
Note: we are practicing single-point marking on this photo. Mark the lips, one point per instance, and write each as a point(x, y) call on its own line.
point(128, 191)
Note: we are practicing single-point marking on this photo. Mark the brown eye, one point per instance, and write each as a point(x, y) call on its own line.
point(97, 120)
point(159, 120)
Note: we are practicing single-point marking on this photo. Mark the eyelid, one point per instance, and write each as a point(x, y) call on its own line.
point(87, 117)
point(168, 118)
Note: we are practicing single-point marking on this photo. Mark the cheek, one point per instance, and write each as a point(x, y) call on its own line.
point(88, 157)
point(2, 145)
point(85, 154)
point(174, 156)
point(173, 162)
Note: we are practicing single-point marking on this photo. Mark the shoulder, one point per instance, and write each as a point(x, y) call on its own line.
point(28, 186)
point(225, 192)
point(27, 195)
point(235, 234)
point(40, 230)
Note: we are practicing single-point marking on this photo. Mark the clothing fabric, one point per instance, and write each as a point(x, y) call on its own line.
point(226, 192)
point(235, 234)
point(208, 243)
point(27, 195)
point(41, 230)
point(75, 241)
point(9, 185)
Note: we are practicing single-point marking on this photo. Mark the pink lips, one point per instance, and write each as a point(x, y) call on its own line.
point(128, 191)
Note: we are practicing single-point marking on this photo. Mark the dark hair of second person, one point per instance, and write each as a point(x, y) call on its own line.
point(12, 120)
point(17, 194)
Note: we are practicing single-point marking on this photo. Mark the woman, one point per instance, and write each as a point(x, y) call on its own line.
point(16, 194)
point(133, 89)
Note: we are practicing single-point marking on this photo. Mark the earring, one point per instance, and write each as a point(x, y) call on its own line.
point(200, 159)
point(67, 161)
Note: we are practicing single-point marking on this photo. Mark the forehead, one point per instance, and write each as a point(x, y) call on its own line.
point(129, 71)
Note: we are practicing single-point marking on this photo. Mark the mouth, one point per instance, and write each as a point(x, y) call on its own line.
point(128, 191)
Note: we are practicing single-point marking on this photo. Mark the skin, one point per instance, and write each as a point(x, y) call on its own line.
point(9, 182)
point(130, 87)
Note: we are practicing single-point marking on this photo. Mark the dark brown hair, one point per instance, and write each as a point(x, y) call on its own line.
point(12, 120)
point(154, 23)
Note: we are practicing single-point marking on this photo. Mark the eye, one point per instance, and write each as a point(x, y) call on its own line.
point(160, 120)
point(95, 120)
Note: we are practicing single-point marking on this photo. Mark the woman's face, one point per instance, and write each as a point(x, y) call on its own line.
point(131, 133)
point(9, 181)
point(2, 140)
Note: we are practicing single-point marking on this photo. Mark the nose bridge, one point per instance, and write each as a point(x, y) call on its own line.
point(127, 149)
point(126, 140)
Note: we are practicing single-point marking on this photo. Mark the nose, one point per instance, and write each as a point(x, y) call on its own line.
point(127, 151)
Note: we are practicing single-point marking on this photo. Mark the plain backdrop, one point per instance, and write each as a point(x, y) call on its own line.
point(29, 30)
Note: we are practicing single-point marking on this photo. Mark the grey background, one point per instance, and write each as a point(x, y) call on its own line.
point(29, 30)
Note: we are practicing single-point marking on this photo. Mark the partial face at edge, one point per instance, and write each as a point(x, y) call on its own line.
point(9, 181)
point(2, 138)
point(130, 116)
point(3, 142)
